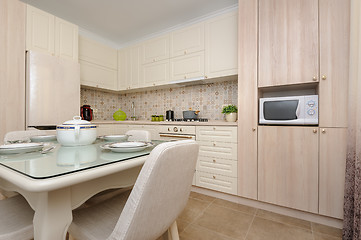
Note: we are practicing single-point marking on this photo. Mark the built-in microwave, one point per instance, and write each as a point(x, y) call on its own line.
point(295, 110)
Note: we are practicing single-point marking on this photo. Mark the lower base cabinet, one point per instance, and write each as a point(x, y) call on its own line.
point(216, 182)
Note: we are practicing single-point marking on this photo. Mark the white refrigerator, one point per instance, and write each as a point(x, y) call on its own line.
point(52, 90)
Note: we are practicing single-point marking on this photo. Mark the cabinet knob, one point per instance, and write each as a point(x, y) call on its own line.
point(214, 177)
point(169, 129)
point(214, 160)
point(185, 77)
point(314, 78)
point(314, 130)
point(253, 129)
point(214, 129)
point(185, 52)
point(323, 130)
point(205, 76)
point(324, 77)
point(153, 84)
point(153, 59)
point(214, 144)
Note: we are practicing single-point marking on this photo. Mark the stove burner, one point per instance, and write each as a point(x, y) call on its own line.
point(191, 120)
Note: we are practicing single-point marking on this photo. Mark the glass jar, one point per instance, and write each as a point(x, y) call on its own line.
point(153, 118)
point(156, 118)
point(161, 118)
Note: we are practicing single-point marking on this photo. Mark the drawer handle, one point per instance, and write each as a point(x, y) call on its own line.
point(214, 144)
point(214, 177)
point(175, 136)
point(214, 160)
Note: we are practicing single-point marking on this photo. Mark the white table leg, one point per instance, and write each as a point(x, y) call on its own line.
point(173, 231)
point(53, 215)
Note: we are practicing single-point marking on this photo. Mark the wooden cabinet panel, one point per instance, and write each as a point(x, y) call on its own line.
point(216, 133)
point(288, 167)
point(123, 68)
point(221, 44)
point(218, 166)
point(97, 76)
point(134, 70)
point(66, 39)
point(156, 49)
point(154, 74)
point(40, 30)
point(217, 182)
point(288, 42)
point(218, 149)
point(187, 40)
point(334, 62)
point(333, 150)
point(187, 67)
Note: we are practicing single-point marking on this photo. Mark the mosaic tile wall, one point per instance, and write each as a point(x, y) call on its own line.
point(208, 99)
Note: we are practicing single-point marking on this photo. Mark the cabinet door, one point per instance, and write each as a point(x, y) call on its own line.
point(154, 74)
point(218, 149)
point(66, 39)
point(123, 68)
point(334, 62)
point(225, 167)
point(217, 182)
point(187, 40)
point(221, 35)
point(187, 67)
point(288, 167)
point(40, 30)
point(216, 133)
point(156, 49)
point(288, 42)
point(333, 150)
point(134, 70)
point(94, 75)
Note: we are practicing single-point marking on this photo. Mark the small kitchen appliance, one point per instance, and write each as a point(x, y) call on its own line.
point(169, 115)
point(190, 115)
point(86, 113)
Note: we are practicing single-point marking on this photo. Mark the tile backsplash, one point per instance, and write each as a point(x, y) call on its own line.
point(207, 98)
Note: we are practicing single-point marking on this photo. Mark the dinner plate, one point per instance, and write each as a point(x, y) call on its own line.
point(115, 138)
point(43, 138)
point(20, 148)
point(127, 145)
point(125, 149)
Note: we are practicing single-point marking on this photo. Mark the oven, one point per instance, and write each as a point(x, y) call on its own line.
point(176, 132)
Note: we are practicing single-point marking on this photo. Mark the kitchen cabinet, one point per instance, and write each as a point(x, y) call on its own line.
point(288, 167)
point(217, 162)
point(155, 74)
point(221, 45)
point(156, 49)
point(288, 42)
point(12, 64)
point(134, 79)
point(129, 67)
point(110, 129)
point(94, 75)
point(247, 98)
point(123, 68)
point(187, 40)
point(50, 34)
point(334, 62)
point(333, 151)
point(187, 67)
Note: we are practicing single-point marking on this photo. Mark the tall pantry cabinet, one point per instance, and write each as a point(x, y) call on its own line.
point(299, 44)
point(12, 65)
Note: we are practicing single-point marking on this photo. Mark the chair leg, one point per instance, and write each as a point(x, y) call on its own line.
point(173, 232)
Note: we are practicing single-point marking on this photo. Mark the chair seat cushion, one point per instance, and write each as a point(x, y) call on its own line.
point(98, 220)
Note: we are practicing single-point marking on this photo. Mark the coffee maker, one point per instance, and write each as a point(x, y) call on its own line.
point(86, 112)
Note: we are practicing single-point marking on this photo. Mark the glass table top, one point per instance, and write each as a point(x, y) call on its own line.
point(64, 160)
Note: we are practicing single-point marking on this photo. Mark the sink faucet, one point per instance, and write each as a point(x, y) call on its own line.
point(133, 107)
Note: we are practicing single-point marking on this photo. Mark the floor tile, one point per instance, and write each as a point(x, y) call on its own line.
point(226, 221)
point(319, 228)
point(201, 197)
point(193, 209)
point(200, 233)
point(264, 229)
point(284, 219)
point(320, 236)
point(181, 225)
point(235, 206)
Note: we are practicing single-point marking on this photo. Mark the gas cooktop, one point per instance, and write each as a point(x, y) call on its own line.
point(189, 120)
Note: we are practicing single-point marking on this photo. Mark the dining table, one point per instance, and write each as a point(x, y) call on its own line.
point(61, 180)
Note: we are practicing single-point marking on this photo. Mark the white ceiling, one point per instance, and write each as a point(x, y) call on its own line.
point(120, 22)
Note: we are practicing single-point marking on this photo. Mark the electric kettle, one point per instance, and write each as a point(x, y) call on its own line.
point(86, 112)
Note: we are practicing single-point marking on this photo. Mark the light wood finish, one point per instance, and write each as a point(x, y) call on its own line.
point(123, 68)
point(187, 67)
point(218, 149)
point(94, 75)
point(247, 98)
point(187, 40)
point(12, 66)
point(288, 167)
point(333, 151)
point(216, 133)
point(66, 39)
point(288, 42)
point(221, 45)
point(97, 53)
point(334, 62)
point(155, 49)
point(40, 30)
point(155, 74)
point(225, 167)
point(134, 78)
point(217, 182)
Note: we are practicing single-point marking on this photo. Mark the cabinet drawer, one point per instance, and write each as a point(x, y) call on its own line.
point(218, 150)
point(216, 182)
point(224, 167)
point(221, 134)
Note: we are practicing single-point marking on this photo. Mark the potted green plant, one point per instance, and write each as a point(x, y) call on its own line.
point(230, 112)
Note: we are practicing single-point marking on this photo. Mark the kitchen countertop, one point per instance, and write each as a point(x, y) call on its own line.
point(145, 122)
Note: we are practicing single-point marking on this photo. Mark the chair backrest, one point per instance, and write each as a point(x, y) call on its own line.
point(139, 135)
point(160, 193)
point(26, 134)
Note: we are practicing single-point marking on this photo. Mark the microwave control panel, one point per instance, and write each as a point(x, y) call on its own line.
point(311, 109)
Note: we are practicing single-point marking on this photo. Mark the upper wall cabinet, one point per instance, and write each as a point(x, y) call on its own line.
point(187, 40)
point(288, 42)
point(156, 49)
point(221, 45)
point(50, 34)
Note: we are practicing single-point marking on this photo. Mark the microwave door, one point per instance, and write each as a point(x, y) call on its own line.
point(283, 112)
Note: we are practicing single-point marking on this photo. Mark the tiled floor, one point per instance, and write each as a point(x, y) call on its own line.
point(208, 218)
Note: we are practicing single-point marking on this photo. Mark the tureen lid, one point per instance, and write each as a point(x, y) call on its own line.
point(77, 121)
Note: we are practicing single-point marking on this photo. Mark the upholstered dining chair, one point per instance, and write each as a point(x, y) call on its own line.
point(146, 212)
point(139, 135)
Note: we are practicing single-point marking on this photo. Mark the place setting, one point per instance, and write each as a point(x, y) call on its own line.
point(126, 147)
